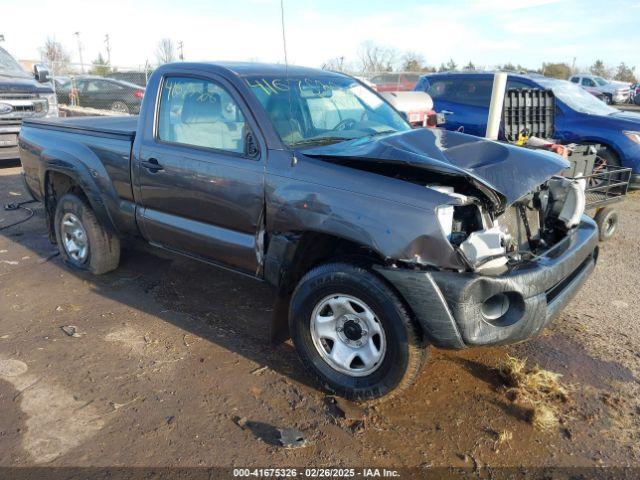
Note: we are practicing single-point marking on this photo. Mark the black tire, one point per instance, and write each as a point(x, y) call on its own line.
point(120, 106)
point(607, 220)
point(608, 99)
point(103, 251)
point(405, 351)
point(605, 159)
point(636, 100)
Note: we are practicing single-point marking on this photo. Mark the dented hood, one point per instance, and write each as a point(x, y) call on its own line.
point(506, 170)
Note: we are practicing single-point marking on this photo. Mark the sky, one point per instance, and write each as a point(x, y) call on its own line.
point(487, 32)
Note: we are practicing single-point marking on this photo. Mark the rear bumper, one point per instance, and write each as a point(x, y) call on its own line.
point(448, 304)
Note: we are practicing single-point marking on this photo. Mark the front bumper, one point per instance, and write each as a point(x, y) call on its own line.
point(448, 304)
point(620, 97)
point(9, 141)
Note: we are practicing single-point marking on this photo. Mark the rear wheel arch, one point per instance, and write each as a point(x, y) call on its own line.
point(57, 184)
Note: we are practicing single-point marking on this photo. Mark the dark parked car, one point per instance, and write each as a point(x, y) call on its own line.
point(579, 117)
point(377, 238)
point(102, 93)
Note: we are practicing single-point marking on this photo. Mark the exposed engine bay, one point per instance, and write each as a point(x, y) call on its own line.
point(528, 227)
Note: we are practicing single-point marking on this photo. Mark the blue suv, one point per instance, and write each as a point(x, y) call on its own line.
point(580, 117)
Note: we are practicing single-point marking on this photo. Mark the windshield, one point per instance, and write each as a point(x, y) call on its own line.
point(8, 66)
point(576, 97)
point(600, 81)
point(323, 109)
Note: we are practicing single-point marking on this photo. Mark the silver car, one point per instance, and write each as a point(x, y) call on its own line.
point(613, 92)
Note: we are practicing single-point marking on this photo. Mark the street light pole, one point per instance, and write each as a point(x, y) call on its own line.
point(106, 41)
point(77, 34)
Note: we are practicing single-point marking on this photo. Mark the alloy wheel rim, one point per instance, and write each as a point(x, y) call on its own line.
point(74, 238)
point(348, 335)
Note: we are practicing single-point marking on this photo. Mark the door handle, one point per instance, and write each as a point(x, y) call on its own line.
point(152, 165)
point(446, 112)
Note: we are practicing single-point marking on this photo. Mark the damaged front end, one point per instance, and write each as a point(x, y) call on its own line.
point(489, 240)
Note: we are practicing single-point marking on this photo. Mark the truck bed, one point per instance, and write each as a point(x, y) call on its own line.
point(120, 126)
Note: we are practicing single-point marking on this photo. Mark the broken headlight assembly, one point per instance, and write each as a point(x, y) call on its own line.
point(481, 243)
point(525, 228)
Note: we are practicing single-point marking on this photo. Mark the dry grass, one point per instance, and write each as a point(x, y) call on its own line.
point(538, 390)
point(502, 438)
point(544, 417)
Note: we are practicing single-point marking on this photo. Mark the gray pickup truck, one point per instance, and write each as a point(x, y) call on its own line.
point(21, 96)
point(379, 239)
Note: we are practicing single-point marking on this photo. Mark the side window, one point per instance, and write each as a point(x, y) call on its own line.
point(441, 90)
point(575, 79)
point(200, 113)
point(97, 86)
point(475, 92)
point(112, 86)
point(587, 82)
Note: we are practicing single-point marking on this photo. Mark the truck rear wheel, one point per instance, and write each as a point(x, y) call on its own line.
point(83, 242)
point(353, 333)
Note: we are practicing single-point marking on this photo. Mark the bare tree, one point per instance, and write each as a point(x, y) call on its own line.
point(335, 64)
point(165, 51)
point(376, 58)
point(55, 56)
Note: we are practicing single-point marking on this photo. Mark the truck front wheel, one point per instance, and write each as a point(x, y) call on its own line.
point(83, 242)
point(353, 333)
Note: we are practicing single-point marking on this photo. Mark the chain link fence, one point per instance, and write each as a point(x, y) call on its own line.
point(119, 90)
point(99, 89)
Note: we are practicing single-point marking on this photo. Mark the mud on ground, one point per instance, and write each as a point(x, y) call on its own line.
point(171, 366)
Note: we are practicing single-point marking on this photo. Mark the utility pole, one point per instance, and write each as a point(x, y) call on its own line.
point(180, 47)
point(77, 34)
point(106, 41)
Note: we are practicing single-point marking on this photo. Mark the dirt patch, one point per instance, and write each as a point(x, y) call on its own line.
point(57, 421)
point(571, 358)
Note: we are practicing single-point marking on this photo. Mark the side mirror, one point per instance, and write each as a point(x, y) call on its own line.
point(41, 73)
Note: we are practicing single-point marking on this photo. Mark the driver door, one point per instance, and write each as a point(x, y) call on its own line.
point(202, 194)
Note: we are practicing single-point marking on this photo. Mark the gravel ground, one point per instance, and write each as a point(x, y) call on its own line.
point(171, 366)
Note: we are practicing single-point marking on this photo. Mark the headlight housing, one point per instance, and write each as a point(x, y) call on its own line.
point(52, 104)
